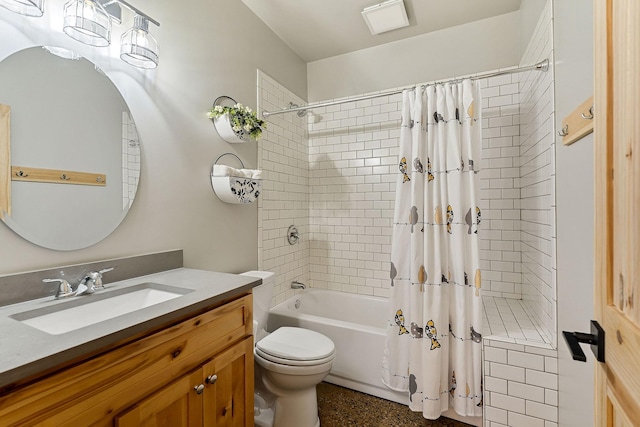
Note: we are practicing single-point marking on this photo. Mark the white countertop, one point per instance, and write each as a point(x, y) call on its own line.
point(26, 352)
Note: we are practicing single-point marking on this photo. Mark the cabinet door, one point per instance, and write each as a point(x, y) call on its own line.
point(228, 397)
point(179, 404)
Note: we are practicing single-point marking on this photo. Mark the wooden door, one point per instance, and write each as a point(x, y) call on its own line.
point(228, 398)
point(617, 210)
point(177, 405)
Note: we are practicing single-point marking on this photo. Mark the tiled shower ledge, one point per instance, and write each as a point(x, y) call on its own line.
point(507, 320)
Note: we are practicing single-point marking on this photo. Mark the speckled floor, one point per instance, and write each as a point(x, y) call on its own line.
point(342, 407)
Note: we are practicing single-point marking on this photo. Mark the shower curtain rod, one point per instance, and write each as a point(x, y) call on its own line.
point(540, 66)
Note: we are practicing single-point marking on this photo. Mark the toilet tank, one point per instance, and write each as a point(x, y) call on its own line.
point(261, 300)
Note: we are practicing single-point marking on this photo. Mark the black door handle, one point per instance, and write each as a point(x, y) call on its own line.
point(595, 339)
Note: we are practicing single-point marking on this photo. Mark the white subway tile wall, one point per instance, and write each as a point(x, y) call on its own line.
point(283, 157)
point(500, 189)
point(521, 376)
point(353, 150)
point(520, 385)
point(537, 180)
point(352, 170)
point(353, 157)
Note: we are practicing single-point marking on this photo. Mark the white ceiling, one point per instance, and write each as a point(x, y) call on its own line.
point(317, 29)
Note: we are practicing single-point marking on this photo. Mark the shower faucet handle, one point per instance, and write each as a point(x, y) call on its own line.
point(292, 235)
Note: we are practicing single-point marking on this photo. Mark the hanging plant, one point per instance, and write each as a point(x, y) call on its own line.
point(242, 119)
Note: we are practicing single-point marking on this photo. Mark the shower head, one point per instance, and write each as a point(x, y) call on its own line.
point(300, 113)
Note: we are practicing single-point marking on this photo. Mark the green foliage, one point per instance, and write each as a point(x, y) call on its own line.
point(243, 120)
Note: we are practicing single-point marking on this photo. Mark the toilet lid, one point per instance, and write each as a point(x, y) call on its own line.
point(296, 344)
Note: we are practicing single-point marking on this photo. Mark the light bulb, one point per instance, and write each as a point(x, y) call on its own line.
point(138, 47)
point(88, 22)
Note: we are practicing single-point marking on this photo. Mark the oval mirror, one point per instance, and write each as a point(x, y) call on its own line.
point(70, 125)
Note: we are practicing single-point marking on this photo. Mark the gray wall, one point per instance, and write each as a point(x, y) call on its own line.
point(573, 35)
point(530, 11)
point(478, 46)
point(211, 48)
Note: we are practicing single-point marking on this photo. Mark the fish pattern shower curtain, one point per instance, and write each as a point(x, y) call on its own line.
point(434, 322)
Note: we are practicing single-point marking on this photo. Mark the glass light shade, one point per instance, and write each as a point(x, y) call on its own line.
point(86, 21)
point(24, 7)
point(137, 46)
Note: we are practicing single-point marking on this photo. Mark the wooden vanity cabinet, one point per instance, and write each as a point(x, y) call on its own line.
point(198, 372)
point(176, 405)
point(211, 395)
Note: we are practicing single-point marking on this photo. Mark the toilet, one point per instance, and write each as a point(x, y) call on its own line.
point(289, 363)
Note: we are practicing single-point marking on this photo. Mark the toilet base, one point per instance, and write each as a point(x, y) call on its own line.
point(298, 408)
point(264, 417)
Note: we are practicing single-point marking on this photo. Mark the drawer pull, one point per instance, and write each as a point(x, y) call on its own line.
point(199, 388)
point(211, 379)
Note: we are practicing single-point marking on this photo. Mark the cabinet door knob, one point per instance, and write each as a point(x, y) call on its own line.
point(211, 379)
point(199, 388)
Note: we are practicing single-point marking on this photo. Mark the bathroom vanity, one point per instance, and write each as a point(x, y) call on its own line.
point(183, 362)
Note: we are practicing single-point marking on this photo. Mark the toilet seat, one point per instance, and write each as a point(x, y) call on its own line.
point(292, 362)
point(296, 347)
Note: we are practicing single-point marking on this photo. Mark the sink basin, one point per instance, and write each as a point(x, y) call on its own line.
point(88, 310)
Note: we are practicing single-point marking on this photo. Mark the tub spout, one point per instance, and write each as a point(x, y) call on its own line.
point(298, 285)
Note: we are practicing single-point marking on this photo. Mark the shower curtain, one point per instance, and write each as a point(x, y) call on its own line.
point(434, 322)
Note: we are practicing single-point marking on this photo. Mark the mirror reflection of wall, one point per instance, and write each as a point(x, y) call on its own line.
point(67, 115)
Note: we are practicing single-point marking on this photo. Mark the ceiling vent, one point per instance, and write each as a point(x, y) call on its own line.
point(386, 16)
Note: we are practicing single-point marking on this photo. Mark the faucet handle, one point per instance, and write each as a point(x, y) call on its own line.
point(97, 276)
point(64, 290)
point(94, 280)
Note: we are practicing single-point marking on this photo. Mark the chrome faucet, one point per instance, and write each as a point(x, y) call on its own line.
point(91, 282)
point(88, 285)
point(298, 285)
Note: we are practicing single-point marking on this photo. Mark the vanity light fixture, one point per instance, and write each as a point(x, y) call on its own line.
point(385, 16)
point(24, 7)
point(87, 22)
point(137, 46)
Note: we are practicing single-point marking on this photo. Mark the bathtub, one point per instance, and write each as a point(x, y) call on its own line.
point(355, 323)
point(357, 326)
